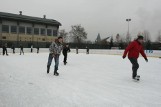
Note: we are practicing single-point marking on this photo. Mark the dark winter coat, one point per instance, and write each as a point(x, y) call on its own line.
point(66, 50)
point(133, 50)
point(21, 47)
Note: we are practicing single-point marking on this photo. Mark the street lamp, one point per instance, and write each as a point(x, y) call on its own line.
point(128, 35)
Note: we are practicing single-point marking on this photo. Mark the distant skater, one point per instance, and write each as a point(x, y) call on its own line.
point(5, 49)
point(37, 49)
point(87, 50)
point(66, 49)
point(76, 50)
point(13, 49)
point(21, 49)
point(31, 48)
point(55, 51)
point(133, 50)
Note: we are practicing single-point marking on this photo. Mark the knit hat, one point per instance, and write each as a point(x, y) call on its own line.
point(140, 37)
point(59, 37)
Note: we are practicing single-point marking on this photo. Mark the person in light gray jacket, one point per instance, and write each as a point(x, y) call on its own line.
point(55, 51)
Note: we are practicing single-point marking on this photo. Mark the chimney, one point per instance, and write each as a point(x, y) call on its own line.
point(44, 16)
point(20, 12)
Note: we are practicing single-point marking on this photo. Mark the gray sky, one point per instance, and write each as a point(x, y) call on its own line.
point(107, 17)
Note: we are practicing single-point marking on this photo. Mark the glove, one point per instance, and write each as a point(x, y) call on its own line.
point(146, 59)
point(53, 55)
point(123, 57)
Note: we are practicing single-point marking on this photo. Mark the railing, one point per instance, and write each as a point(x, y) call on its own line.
point(149, 53)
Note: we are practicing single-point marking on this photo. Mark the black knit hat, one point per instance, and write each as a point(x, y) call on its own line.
point(140, 37)
point(60, 37)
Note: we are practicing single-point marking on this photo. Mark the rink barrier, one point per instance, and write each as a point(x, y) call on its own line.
point(149, 53)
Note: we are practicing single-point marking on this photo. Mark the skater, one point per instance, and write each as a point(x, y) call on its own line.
point(133, 50)
point(13, 48)
point(31, 48)
point(87, 50)
point(76, 50)
point(55, 51)
point(5, 49)
point(21, 49)
point(66, 49)
point(37, 49)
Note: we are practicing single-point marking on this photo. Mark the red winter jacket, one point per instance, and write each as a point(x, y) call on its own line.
point(133, 50)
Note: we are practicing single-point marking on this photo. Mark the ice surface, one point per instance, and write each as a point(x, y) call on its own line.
point(86, 81)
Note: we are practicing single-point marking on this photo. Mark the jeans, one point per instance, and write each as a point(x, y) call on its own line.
point(5, 51)
point(135, 66)
point(56, 59)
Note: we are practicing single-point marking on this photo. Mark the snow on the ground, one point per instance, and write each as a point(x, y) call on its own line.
point(86, 81)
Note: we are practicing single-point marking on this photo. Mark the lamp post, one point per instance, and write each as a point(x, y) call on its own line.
point(128, 35)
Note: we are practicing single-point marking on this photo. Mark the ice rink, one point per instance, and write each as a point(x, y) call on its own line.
point(93, 80)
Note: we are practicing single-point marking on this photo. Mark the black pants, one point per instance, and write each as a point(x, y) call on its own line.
point(13, 50)
point(37, 50)
point(135, 66)
point(21, 51)
point(5, 51)
point(65, 57)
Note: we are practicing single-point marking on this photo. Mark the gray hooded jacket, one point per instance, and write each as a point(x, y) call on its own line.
point(55, 48)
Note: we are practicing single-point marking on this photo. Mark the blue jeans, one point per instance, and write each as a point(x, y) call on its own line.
point(56, 59)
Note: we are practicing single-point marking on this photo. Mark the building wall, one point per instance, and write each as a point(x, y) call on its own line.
point(0, 32)
point(25, 37)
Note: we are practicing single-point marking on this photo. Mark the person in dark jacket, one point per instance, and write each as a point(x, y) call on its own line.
point(66, 49)
point(87, 50)
point(76, 50)
point(21, 49)
point(133, 50)
point(31, 48)
point(37, 49)
point(55, 51)
point(5, 49)
point(13, 48)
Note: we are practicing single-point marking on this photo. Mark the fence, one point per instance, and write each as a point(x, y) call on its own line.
point(150, 53)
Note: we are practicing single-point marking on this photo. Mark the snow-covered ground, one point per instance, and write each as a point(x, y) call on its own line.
point(86, 81)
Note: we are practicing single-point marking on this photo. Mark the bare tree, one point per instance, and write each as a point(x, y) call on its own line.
point(111, 42)
point(63, 34)
point(159, 37)
point(128, 38)
point(78, 33)
point(117, 38)
point(98, 39)
point(146, 35)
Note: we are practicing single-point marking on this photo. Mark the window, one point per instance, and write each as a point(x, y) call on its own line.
point(49, 32)
point(43, 39)
point(5, 28)
point(36, 31)
point(42, 31)
point(29, 30)
point(13, 29)
point(54, 32)
point(3, 37)
point(21, 29)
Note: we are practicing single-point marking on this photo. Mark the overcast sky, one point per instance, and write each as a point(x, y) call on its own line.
point(107, 17)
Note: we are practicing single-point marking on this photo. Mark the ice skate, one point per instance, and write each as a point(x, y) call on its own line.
point(56, 73)
point(137, 78)
point(65, 63)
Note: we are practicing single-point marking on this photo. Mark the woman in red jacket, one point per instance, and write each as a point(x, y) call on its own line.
point(133, 50)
